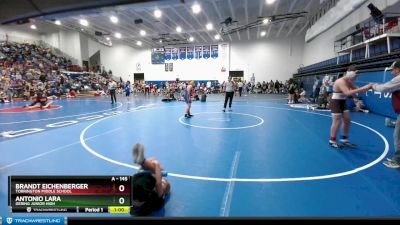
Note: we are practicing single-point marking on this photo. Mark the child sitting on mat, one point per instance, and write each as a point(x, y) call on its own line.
point(40, 102)
point(71, 94)
point(3, 96)
point(360, 107)
point(303, 98)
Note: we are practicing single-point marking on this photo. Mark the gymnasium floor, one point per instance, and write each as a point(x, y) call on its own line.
point(265, 159)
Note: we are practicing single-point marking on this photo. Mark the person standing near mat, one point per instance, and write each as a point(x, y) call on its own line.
point(208, 87)
point(393, 87)
point(240, 85)
point(316, 88)
point(112, 86)
point(229, 88)
point(343, 88)
point(128, 90)
point(188, 98)
point(292, 89)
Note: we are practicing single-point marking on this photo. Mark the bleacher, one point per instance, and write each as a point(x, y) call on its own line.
point(344, 59)
point(161, 83)
point(371, 41)
point(358, 56)
point(32, 63)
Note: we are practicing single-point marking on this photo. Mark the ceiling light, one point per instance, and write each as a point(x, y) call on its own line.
point(58, 22)
point(84, 22)
point(82, 29)
point(263, 33)
point(191, 39)
point(107, 38)
point(196, 8)
point(139, 43)
point(157, 13)
point(118, 35)
point(217, 37)
point(266, 21)
point(179, 29)
point(269, 2)
point(114, 19)
point(33, 27)
point(142, 32)
point(160, 41)
point(209, 26)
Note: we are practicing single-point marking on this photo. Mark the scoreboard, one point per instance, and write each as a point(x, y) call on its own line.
point(69, 194)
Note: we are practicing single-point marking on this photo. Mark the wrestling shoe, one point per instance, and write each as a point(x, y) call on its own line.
point(392, 164)
point(138, 154)
point(389, 122)
point(334, 144)
point(347, 143)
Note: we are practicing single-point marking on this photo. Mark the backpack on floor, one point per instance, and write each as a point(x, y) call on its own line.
point(203, 98)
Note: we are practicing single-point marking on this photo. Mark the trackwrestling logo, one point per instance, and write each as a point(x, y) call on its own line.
point(35, 220)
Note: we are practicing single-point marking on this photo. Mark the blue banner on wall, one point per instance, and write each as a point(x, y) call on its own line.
point(182, 53)
point(190, 52)
point(198, 52)
point(377, 102)
point(167, 53)
point(214, 51)
point(206, 51)
point(174, 53)
point(158, 56)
